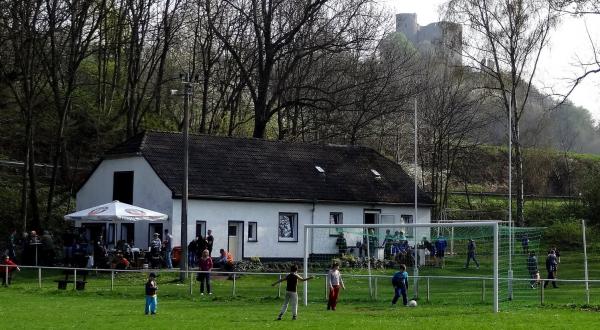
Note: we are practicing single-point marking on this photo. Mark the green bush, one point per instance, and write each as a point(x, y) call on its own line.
point(565, 234)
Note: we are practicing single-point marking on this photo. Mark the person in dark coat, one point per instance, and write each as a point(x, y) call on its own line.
point(192, 252)
point(551, 267)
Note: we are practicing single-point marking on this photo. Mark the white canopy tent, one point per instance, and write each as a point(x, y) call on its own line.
point(115, 212)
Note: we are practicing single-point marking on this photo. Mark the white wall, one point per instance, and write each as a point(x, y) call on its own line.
point(148, 191)
point(218, 213)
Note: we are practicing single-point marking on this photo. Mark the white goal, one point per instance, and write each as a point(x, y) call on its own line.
point(386, 245)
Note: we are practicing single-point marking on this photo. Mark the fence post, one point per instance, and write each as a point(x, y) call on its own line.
point(585, 264)
point(74, 279)
point(233, 293)
point(376, 280)
point(6, 275)
point(191, 283)
point(326, 288)
point(40, 277)
point(541, 293)
point(279, 287)
point(427, 289)
point(482, 290)
point(112, 280)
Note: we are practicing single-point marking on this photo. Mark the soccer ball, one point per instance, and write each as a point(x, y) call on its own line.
point(412, 303)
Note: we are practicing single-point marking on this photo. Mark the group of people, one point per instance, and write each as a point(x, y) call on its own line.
point(552, 262)
point(35, 249)
point(335, 283)
point(197, 246)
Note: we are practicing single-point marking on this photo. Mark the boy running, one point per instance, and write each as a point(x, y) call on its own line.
point(400, 283)
point(291, 294)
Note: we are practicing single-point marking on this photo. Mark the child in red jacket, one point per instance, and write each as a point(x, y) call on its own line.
point(6, 269)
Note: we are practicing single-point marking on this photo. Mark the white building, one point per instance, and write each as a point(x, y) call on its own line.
point(255, 195)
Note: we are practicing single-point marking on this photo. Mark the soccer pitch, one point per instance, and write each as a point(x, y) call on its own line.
point(25, 306)
point(454, 303)
point(64, 310)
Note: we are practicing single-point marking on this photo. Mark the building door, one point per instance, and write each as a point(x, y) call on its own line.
point(235, 242)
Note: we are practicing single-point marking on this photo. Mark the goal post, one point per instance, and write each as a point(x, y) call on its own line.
point(309, 237)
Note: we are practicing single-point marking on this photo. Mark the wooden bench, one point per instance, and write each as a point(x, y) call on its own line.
point(62, 284)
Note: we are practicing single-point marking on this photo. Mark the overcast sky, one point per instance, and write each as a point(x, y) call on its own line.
point(569, 45)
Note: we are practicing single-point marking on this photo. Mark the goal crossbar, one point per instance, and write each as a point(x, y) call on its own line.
point(493, 224)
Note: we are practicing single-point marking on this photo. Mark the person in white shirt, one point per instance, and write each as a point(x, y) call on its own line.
point(334, 278)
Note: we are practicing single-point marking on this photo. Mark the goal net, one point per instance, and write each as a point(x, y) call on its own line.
point(445, 260)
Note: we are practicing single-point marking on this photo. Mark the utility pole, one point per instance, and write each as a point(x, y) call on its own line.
point(187, 92)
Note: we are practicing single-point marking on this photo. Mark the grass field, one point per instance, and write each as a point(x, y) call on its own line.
point(454, 304)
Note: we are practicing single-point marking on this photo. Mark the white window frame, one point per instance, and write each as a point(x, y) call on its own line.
point(252, 229)
point(336, 231)
point(403, 218)
point(294, 227)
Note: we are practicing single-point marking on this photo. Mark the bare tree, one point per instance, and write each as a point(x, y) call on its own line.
point(592, 65)
point(275, 35)
point(450, 121)
point(509, 36)
point(23, 37)
point(72, 27)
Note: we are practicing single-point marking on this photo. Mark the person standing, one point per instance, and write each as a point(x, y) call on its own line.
point(471, 251)
point(334, 277)
point(6, 269)
point(440, 250)
point(388, 240)
point(400, 283)
point(210, 240)
point(167, 243)
point(205, 264)
point(532, 268)
point(201, 245)
point(151, 297)
point(155, 251)
point(100, 253)
point(551, 264)
point(340, 242)
point(525, 243)
point(291, 295)
point(12, 244)
point(192, 251)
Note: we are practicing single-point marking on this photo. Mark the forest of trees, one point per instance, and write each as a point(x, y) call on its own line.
point(79, 76)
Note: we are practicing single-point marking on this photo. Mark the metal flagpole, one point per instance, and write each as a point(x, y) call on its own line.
point(510, 241)
point(416, 268)
point(585, 265)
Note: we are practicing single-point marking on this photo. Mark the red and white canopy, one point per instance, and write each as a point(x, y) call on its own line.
point(116, 211)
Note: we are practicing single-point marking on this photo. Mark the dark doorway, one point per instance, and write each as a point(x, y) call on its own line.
point(123, 187)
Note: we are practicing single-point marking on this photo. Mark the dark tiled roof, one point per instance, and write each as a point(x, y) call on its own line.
point(241, 168)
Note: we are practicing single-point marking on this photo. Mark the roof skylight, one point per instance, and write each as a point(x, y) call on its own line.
point(377, 174)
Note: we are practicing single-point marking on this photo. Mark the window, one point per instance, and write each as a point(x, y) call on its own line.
point(200, 228)
point(407, 218)
point(110, 235)
point(252, 231)
point(123, 187)
point(127, 232)
point(288, 227)
point(335, 218)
